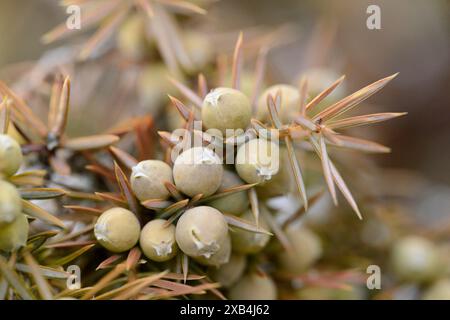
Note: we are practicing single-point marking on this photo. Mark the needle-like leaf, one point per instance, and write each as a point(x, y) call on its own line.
point(108, 262)
point(146, 7)
point(126, 190)
point(317, 99)
point(39, 213)
point(237, 63)
point(90, 18)
point(114, 198)
point(273, 107)
point(41, 283)
point(182, 109)
point(363, 120)
point(74, 255)
point(29, 178)
point(187, 93)
point(303, 94)
point(184, 5)
point(54, 100)
point(226, 192)
point(24, 109)
point(173, 190)
point(240, 223)
point(344, 189)
point(90, 142)
point(185, 266)
point(298, 177)
point(254, 205)
point(277, 230)
point(260, 70)
point(162, 40)
point(306, 123)
point(41, 193)
point(301, 211)
point(156, 204)
point(168, 211)
point(60, 120)
point(113, 274)
point(51, 273)
point(360, 144)
point(352, 100)
point(133, 258)
point(14, 280)
point(4, 115)
point(123, 157)
point(83, 209)
point(326, 169)
point(107, 28)
point(202, 85)
point(135, 290)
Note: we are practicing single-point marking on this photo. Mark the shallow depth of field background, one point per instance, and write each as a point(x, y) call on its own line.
point(414, 40)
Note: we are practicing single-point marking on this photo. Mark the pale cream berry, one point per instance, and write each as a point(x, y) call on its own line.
point(157, 240)
point(14, 235)
point(117, 229)
point(254, 287)
point(306, 250)
point(10, 155)
point(201, 232)
point(257, 160)
point(229, 273)
point(290, 103)
point(10, 203)
point(132, 40)
point(148, 179)
point(235, 203)
point(440, 290)
point(248, 242)
point(219, 258)
point(226, 108)
point(198, 171)
point(416, 259)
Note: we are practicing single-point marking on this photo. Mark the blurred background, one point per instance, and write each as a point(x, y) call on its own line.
point(414, 40)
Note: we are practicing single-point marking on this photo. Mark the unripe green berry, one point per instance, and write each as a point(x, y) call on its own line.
point(14, 235)
point(132, 40)
point(229, 273)
point(306, 250)
point(254, 287)
point(15, 134)
point(290, 103)
point(199, 49)
point(158, 240)
point(257, 160)
point(321, 78)
point(415, 259)
point(235, 203)
point(198, 170)
point(220, 257)
point(10, 203)
point(440, 290)
point(248, 242)
point(281, 183)
point(323, 293)
point(153, 87)
point(10, 155)
point(201, 231)
point(246, 82)
point(117, 229)
point(148, 178)
point(226, 108)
